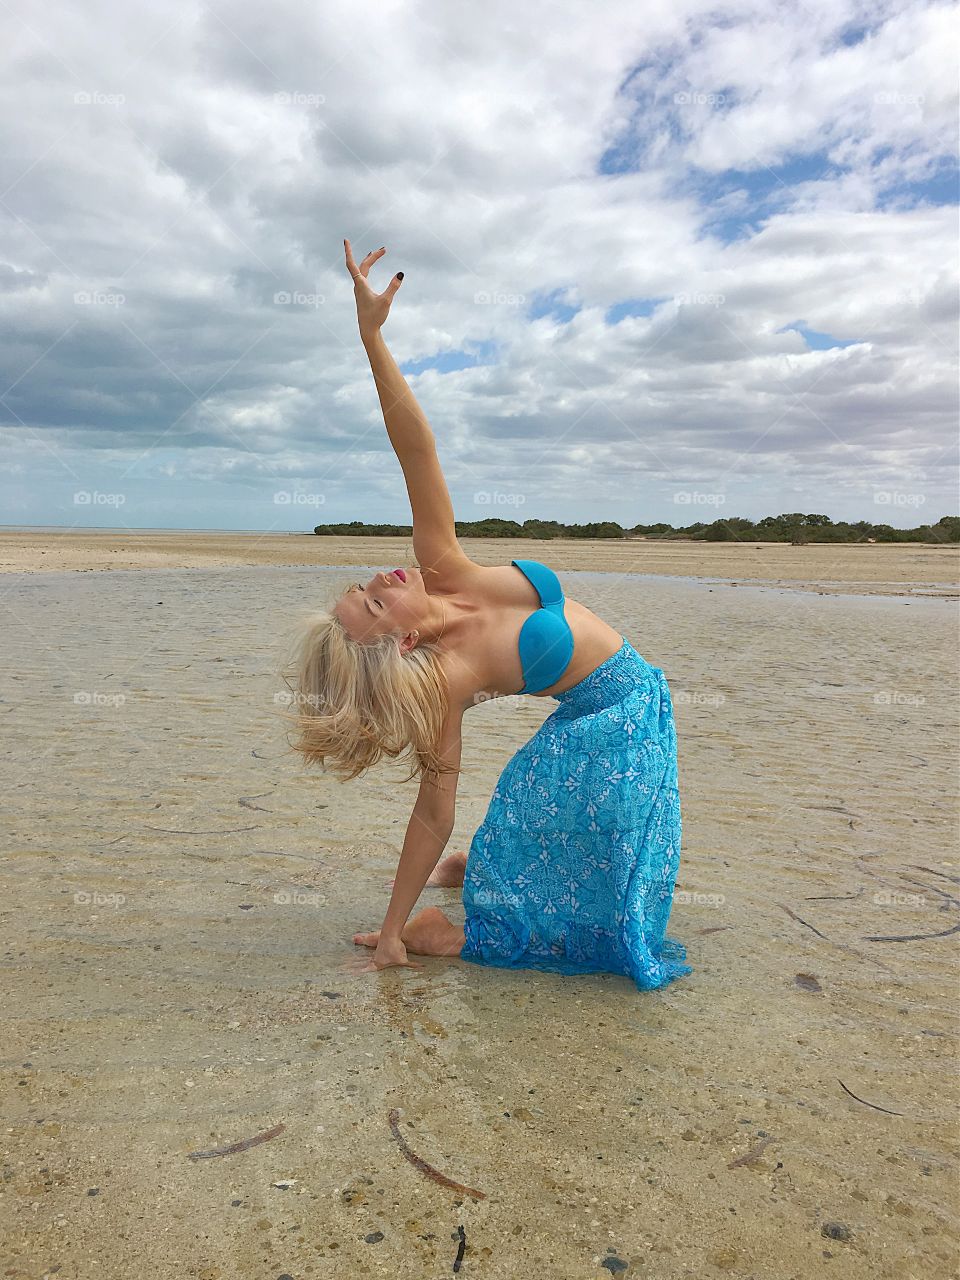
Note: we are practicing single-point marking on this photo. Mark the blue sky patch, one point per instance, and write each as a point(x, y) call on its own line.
point(632, 307)
point(941, 188)
point(452, 361)
point(736, 202)
point(815, 340)
point(552, 305)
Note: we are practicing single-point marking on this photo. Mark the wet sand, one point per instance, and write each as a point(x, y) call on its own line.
point(860, 568)
point(179, 898)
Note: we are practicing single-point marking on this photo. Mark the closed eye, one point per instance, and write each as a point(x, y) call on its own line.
point(357, 586)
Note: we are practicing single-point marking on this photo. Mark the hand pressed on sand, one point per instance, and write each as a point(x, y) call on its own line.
point(428, 933)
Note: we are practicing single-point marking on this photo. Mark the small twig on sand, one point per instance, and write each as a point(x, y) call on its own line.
point(226, 831)
point(930, 871)
point(833, 808)
point(921, 937)
point(865, 1103)
point(460, 1248)
point(931, 888)
point(914, 937)
point(751, 1157)
point(245, 802)
point(842, 945)
point(422, 1165)
point(836, 897)
point(794, 916)
point(244, 1145)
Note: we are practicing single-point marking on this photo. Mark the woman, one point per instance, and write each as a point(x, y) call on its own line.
point(574, 865)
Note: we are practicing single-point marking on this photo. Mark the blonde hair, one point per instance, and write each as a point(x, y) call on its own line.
point(356, 703)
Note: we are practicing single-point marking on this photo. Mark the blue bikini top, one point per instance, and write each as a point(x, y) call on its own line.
point(546, 641)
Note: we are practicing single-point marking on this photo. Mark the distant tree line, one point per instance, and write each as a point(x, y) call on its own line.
point(795, 528)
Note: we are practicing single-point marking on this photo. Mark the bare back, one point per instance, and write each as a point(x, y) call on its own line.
point(484, 660)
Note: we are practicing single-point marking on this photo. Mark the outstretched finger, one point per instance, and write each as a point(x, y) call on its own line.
point(351, 265)
point(366, 263)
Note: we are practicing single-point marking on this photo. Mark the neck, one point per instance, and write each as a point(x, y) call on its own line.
point(439, 626)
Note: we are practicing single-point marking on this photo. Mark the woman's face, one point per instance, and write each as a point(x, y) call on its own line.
point(385, 604)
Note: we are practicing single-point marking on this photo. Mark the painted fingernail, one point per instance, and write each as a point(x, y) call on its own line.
point(399, 275)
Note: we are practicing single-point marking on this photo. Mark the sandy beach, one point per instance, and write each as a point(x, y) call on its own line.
point(861, 568)
point(179, 898)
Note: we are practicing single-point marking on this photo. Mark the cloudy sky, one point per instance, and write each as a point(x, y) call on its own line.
point(663, 261)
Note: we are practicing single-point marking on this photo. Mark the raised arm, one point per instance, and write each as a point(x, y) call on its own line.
point(434, 532)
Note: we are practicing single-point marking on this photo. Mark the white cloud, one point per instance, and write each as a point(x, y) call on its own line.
point(223, 155)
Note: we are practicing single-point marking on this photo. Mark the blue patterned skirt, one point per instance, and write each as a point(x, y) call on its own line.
point(573, 867)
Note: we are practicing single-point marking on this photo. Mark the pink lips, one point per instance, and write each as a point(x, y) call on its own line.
point(400, 574)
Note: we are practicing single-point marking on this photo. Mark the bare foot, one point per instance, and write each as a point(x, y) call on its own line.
point(428, 933)
point(447, 874)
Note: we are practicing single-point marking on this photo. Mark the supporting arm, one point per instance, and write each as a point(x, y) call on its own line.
point(427, 834)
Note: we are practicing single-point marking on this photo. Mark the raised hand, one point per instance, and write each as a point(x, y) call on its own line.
point(372, 308)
